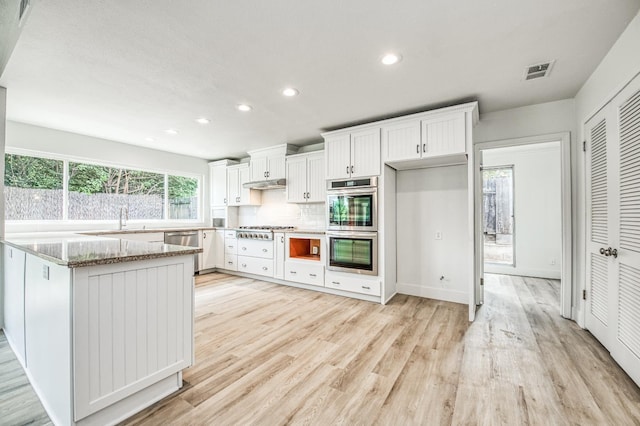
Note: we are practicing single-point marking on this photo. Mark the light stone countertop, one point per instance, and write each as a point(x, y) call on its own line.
point(76, 251)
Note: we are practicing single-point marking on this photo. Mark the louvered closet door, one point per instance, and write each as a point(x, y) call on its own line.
point(600, 215)
point(626, 335)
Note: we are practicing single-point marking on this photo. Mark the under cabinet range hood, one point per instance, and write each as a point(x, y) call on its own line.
point(266, 184)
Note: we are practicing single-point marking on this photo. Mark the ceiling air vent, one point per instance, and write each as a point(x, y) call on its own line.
point(538, 70)
point(24, 6)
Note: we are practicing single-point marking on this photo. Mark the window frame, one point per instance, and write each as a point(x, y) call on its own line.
point(66, 159)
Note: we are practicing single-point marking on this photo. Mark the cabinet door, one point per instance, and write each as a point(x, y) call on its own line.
point(219, 248)
point(443, 135)
point(258, 168)
point(365, 153)
point(276, 167)
point(296, 180)
point(338, 157)
point(278, 270)
point(14, 261)
point(208, 250)
point(244, 176)
point(316, 183)
point(233, 193)
point(401, 141)
point(218, 186)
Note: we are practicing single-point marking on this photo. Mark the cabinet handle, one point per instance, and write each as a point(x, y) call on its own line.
point(347, 169)
point(244, 265)
point(230, 262)
point(264, 268)
point(225, 201)
point(230, 246)
point(366, 288)
point(304, 195)
point(264, 174)
point(204, 235)
point(312, 275)
point(424, 147)
point(282, 239)
point(265, 250)
point(244, 248)
point(335, 282)
point(308, 195)
point(292, 272)
point(418, 149)
point(352, 169)
point(268, 173)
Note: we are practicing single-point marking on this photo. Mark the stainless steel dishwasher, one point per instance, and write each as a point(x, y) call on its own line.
point(185, 238)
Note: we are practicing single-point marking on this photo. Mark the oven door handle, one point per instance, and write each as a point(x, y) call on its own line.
point(350, 234)
point(352, 191)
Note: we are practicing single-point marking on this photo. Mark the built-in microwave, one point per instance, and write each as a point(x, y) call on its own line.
point(355, 252)
point(352, 205)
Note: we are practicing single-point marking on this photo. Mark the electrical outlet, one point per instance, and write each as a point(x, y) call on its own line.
point(438, 235)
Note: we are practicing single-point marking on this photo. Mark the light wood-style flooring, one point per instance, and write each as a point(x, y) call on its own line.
point(268, 354)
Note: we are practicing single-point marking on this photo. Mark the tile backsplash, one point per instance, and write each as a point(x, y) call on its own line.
point(276, 211)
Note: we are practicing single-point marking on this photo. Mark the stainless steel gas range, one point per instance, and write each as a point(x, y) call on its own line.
point(260, 232)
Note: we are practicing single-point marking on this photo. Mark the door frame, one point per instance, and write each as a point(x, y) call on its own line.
point(566, 278)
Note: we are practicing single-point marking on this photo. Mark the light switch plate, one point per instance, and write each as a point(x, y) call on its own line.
point(45, 272)
point(438, 235)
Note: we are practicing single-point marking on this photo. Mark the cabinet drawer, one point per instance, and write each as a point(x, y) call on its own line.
point(255, 248)
point(304, 273)
point(230, 262)
point(353, 284)
point(255, 265)
point(230, 234)
point(230, 246)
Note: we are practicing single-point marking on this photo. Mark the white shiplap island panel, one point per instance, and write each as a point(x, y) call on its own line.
point(133, 327)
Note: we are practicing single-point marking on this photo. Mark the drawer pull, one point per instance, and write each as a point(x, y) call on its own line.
point(292, 272)
point(313, 275)
point(366, 288)
point(230, 262)
point(335, 282)
point(230, 247)
point(244, 248)
point(264, 268)
point(265, 250)
point(244, 265)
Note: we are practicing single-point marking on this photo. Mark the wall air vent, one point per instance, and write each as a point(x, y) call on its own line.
point(24, 6)
point(533, 72)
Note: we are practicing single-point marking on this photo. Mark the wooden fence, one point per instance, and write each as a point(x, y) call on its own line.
point(47, 204)
point(497, 198)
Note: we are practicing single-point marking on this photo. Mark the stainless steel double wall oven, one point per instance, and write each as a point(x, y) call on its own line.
point(352, 225)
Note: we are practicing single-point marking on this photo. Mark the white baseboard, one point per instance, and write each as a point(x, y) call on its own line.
point(433, 293)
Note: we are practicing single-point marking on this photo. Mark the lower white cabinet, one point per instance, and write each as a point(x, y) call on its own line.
point(219, 248)
point(305, 273)
point(353, 283)
point(14, 290)
point(278, 258)
point(230, 251)
point(255, 248)
point(208, 249)
point(255, 265)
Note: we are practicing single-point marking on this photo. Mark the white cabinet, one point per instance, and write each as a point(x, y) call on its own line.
point(255, 248)
point(278, 258)
point(256, 266)
point(305, 178)
point(218, 182)
point(269, 163)
point(238, 175)
point(352, 283)
point(255, 256)
point(305, 273)
point(352, 155)
point(208, 249)
point(230, 251)
point(413, 139)
point(219, 248)
point(14, 261)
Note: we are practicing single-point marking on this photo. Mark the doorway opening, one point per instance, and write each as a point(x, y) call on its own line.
point(497, 217)
point(523, 214)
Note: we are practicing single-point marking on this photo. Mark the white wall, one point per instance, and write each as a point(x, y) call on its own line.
point(56, 142)
point(3, 115)
point(429, 201)
point(617, 68)
point(538, 220)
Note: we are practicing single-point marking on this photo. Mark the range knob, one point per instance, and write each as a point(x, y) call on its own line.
point(254, 235)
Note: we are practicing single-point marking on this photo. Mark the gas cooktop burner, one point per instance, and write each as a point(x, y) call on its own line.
point(267, 228)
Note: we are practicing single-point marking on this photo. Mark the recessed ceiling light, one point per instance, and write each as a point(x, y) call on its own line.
point(244, 107)
point(290, 91)
point(203, 120)
point(391, 58)
point(172, 131)
point(150, 139)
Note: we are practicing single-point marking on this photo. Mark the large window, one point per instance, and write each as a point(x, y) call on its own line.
point(35, 190)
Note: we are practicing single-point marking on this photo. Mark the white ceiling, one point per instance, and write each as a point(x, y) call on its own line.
point(127, 70)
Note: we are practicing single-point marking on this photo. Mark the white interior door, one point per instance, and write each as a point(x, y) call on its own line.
point(612, 311)
point(477, 293)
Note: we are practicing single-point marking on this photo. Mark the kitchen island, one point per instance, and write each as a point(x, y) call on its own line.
point(103, 327)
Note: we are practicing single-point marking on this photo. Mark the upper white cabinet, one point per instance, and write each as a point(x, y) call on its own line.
point(305, 178)
point(401, 141)
point(353, 154)
point(444, 135)
point(269, 163)
point(237, 175)
point(218, 182)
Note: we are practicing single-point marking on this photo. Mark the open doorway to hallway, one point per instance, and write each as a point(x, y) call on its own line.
point(522, 215)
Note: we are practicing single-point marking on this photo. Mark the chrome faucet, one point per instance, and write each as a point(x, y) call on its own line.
point(124, 216)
